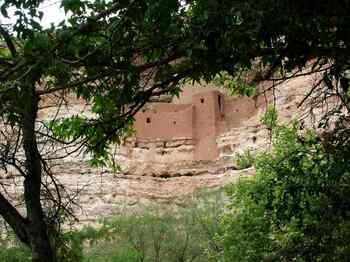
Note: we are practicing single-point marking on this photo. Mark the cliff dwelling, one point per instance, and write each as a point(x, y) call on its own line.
point(191, 123)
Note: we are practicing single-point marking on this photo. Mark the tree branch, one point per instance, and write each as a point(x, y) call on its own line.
point(17, 222)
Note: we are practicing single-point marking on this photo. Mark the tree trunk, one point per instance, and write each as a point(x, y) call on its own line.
point(37, 229)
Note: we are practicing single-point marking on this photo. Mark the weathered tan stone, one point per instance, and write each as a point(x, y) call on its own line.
point(186, 149)
point(162, 167)
point(227, 149)
point(178, 142)
point(143, 145)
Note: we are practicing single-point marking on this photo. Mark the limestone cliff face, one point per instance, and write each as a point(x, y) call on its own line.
point(204, 125)
point(177, 158)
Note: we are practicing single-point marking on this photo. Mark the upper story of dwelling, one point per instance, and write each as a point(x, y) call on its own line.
point(197, 113)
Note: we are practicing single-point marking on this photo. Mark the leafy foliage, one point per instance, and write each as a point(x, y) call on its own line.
point(11, 249)
point(156, 234)
point(297, 206)
point(244, 160)
point(237, 86)
point(15, 254)
point(270, 117)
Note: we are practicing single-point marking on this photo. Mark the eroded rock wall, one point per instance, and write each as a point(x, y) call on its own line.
point(166, 170)
point(235, 126)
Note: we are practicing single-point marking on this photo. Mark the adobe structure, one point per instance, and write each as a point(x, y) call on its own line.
point(194, 119)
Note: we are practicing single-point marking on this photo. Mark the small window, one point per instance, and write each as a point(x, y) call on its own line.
point(254, 139)
point(220, 104)
point(148, 120)
point(174, 122)
point(202, 100)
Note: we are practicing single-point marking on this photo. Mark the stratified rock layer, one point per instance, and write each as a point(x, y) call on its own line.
point(166, 171)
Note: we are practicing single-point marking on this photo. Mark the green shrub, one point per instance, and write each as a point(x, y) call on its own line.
point(244, 160)
point(11, 250)
point(158, 234)
point(15, 254)
point(270, 117)
point(296, 208)
point(236, 85)
point(246, 227)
